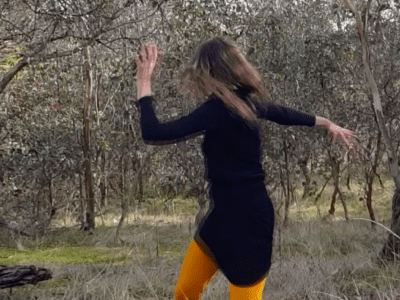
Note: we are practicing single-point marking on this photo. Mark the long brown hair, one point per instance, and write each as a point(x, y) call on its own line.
point(218, 67)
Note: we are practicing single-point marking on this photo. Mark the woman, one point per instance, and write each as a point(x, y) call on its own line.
point(236, 234)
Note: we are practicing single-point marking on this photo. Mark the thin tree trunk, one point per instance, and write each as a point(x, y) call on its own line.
point(82, 203)
point(124, 202)
point(343, 200)
point(348, 182)
point(336, 176)
point(103, 180)
point(90, 217)
point(140, 183)
point(322, 190)
point(303, 167)
point(287, 199)
point(370, 176)
point(370, 181)
point(333, 201)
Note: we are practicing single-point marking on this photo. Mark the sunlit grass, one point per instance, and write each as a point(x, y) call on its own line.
point(309, 210)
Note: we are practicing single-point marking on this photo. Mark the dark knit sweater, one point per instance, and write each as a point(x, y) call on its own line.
point(237, 231)
point(231, 147)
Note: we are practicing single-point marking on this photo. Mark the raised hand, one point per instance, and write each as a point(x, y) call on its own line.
point(147, 63)
point(145, 68)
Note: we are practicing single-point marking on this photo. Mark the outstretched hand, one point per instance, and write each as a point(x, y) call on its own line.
point(345, 135)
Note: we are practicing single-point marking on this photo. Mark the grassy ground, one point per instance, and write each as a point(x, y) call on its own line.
point(312, 259)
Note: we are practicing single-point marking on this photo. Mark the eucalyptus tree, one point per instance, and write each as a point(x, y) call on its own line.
point(42, 44)
point(390, 27)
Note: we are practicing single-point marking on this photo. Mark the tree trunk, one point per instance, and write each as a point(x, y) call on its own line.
point(335, 164)
point(287, 198)
point(140, 188)
point(333, 201)
point(90, 217)
point(370, 181)
point(103, 180)
point(391, 249)
point(81, 203)
point(370, 176)
point(124, 201)
point(307, 187)
point(348, 182)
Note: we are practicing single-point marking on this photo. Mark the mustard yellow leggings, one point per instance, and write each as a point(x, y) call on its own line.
point(196, 271)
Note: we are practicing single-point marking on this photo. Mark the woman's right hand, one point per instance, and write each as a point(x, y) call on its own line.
point(145, 65)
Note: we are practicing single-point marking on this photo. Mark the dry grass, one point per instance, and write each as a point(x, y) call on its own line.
point(312, 259)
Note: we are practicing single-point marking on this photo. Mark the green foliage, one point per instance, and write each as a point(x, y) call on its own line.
point(9, 62)
point(308, 52)
point(65, 255)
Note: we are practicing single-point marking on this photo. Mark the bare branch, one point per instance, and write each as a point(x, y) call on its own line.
point(16, 27)
point(11, 73)
point(36, 48)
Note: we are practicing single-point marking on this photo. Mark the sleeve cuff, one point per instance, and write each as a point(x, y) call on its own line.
point(144, 98)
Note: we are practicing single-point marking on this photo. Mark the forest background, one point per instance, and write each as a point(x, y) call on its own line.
point(74, 169)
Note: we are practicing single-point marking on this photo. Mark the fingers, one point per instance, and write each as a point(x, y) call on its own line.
point(152, 50)
point(334, 138)
point(143, 53)
point(148, 52)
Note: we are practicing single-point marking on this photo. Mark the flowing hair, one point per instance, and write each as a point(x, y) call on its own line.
point(218, 67)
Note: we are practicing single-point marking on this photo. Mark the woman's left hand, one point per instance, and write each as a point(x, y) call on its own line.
point(345, 135)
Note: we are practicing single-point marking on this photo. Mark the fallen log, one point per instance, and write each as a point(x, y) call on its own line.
point(11, 276)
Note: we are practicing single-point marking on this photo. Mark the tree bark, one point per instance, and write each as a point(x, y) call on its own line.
point(11, 73)
point(391, 249)
point(124, 202)
point(336, 179)
point(140, 186)
point(11, 276)
point(303, 167)
point(287, 199)
point(90, 217)
point(103, 180)
point(370, 176)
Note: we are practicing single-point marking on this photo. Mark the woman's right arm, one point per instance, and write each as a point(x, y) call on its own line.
point(204, 118)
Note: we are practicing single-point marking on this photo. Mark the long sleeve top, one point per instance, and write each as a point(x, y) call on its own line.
point(231, 147)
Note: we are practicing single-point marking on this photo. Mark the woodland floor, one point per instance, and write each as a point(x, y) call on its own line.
point(312, 259)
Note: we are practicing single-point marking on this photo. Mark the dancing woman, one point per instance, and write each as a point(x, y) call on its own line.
point(236, 234)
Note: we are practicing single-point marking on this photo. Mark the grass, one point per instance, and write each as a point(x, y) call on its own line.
point(312, 259)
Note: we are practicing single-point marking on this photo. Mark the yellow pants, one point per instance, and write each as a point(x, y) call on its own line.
point(197, 270)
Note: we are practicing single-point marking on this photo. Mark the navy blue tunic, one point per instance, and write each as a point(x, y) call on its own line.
point(237, 231)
